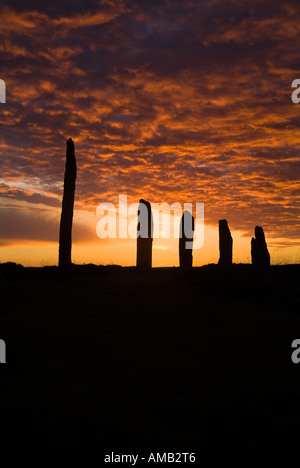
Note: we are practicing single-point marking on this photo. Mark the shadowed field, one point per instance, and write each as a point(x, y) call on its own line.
point(118, 358)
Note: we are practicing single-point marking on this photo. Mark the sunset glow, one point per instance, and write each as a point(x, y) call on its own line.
point(170, 101)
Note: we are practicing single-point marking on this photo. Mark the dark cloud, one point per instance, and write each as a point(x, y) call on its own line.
point(40, 225)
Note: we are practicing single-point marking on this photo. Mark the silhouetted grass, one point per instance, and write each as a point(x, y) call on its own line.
point(164, 359)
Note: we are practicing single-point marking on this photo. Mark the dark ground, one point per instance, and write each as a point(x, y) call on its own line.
point(158, 361)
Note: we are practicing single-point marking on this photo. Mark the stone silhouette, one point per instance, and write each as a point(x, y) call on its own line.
point(225, 244)
point(260, 256)
point(186, 235)
point(144, 236)
point(66, 220)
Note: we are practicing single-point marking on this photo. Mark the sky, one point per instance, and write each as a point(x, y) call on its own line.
point(170, 101)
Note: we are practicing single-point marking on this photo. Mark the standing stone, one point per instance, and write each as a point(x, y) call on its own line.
point(225, 244)
point(186, 235)
point(259, 252)
point(144, 236)
point(66, 220)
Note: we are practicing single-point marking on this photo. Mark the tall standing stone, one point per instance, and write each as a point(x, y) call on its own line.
point(225, 244)
point(186, 235)
point(259, 251)
point(144, 236)
point(66, 220)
